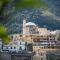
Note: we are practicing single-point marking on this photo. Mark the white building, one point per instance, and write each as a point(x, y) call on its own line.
point(15, 46)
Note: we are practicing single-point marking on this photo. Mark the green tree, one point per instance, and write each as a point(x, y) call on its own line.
point(31, 4)
point(3, 34)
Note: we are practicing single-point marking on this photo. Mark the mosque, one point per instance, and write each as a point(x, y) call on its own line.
point(32, 33)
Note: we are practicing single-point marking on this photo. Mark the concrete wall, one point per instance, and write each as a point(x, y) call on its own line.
point(6, 56)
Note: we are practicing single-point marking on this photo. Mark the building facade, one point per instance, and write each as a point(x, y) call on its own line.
point(42, 39)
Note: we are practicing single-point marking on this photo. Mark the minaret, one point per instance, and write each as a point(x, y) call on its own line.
point(24, 27)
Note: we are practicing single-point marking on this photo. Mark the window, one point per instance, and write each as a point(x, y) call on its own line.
point(50, 39)
point(20, 48)
point(41, 54)
point(50, 36)
point(20, 43)
point(41, 58)
point(6, 47)
point(14, 47)
point(20, 35)
point(11, 47)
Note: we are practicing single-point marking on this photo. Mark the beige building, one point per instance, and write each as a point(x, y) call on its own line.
point(32, 33)
point(40, 55)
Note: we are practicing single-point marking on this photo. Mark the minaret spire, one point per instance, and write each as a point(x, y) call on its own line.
point(24, 27)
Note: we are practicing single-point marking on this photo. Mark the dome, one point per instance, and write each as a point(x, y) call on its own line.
point(30, 23)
